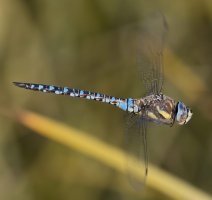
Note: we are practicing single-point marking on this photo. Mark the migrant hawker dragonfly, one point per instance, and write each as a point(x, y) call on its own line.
point(154, 107)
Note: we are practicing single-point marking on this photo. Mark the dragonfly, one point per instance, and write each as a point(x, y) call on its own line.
point(154, 106)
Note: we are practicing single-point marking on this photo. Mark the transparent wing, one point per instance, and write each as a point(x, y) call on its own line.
point(150, 38)
point(136, 142)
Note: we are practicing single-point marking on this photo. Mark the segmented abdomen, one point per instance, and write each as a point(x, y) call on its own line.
point(124, 104)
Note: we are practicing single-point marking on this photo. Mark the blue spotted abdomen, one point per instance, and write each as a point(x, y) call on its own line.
point(129, 104)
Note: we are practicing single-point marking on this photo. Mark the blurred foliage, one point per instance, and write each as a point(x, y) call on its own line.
point(79, 44)
point(158, 180)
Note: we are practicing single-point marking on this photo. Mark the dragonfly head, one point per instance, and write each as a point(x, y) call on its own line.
point(183, 113)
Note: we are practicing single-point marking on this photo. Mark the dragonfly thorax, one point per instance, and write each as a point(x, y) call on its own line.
point(158, 108)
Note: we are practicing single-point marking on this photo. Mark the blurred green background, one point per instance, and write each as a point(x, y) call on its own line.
point(79, 44)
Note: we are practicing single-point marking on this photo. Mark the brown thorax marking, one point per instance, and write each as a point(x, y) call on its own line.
point(158, 108)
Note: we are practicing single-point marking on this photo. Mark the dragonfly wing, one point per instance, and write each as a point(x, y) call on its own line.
point(150, 38)
point(138, 155)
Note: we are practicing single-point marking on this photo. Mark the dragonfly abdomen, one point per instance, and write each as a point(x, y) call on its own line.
point(124, 104)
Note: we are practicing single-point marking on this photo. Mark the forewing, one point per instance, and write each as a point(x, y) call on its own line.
point(150, 38)
point(136, 142)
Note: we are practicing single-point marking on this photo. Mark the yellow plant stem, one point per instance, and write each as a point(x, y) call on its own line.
point(158, 179)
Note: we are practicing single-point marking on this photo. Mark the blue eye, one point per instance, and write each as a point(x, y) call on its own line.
point(181, 113)
point(181, 106)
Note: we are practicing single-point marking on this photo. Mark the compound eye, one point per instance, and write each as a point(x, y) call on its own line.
point(181, 113)
point(182, 107)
